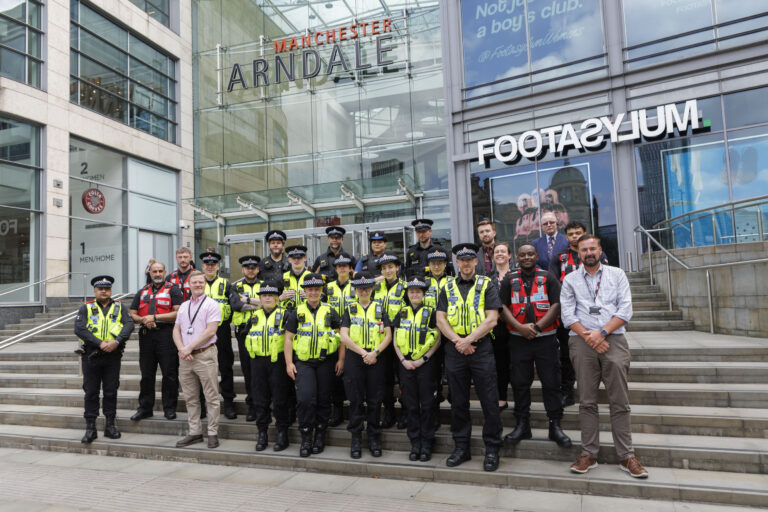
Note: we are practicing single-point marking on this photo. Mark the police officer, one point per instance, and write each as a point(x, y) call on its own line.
point(390, 293)
point(416, 256)
point(531, 298)
point(365, 333)
point(293, 278)
point(220, 289)
point(274, 265)
point(312, 356)
point(436, 281)
point(324, 263)
point(339, 294)
point(103, 326)
point(561, 265)
point(367, 262)
point(264, 343)
point(154, 308)
point(247, 288)
point(467, 311)
point(416, 342)
point(180, 276)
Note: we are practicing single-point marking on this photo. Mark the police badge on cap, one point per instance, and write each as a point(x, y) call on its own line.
point(296, 251)
point(312, 280)
point(249, 261)
point(273, 287)
point(210, 257)
point(422, 224)
point(275, 234)
point(335, 231)
point(102, 281)
point(437, 255)
point(417, 282)
point(388, 257)
point(342, 260)
point(465, 251)
point(376, 235)
point(364, 280)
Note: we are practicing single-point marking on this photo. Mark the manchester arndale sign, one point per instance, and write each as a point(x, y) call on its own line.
point(592, 133)
point(289, 66)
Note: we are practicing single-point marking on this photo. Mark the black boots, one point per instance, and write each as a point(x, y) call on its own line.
point(557, 435)
point(262, 441)
point(251, 416)
point(355, 448)
point(374, 444)
point(282, 441)
point(568, 398)
point(459, 455)
point(337, 415)
point(521, 431)
point(110, 430)
point(388, 417)
point(90, 431)
point(319, 445)
point(306, 442)
point(229, 410)
point(415, 450)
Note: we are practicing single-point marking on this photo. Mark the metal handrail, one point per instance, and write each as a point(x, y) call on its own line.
point(757, 199)
point(707, 268)
point(37, 329)
point(44, 281)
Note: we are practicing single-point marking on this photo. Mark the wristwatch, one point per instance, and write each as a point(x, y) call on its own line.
point(425, 358)
point(536, 326)
point(604, 333)
point(377, 351)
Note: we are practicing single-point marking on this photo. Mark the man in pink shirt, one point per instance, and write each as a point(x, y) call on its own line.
point(195, 337)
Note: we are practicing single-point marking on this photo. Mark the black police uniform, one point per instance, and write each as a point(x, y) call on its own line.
point(324, 264)
point(156, 347)
point(245, 361)
point(270, 269)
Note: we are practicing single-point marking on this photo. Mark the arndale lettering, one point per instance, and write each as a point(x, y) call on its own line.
point(533, 144)
point(284, 67)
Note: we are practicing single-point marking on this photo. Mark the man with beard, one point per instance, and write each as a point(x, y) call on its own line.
point(180, 276)
point(273, 266)
point(324, 264)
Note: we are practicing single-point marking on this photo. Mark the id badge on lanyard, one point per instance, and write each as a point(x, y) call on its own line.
point(594, 309)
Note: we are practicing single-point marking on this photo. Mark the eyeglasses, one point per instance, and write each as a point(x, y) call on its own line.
point(548, 223)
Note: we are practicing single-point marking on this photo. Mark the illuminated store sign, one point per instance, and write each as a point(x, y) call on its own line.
point(291, 66)
point(591, 135)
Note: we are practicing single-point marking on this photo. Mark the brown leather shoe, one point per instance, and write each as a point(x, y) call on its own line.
point(584, 463)
point(190, 440)
point(633, 467)
point(213, 441)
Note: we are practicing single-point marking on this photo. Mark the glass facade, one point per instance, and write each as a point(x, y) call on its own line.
point(21, 41)
point(338, 147)
point(158, 9)
point(20, 210)
point(123, 211)
point(117, 74)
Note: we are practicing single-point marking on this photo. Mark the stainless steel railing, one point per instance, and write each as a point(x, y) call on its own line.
point(43, 282)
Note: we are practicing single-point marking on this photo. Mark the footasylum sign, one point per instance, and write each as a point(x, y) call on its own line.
point(592, 133)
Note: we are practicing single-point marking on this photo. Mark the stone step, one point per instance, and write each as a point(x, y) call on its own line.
point(648, 393)
point(658, 314)
point(644, 288)
point(651, 419)
point(660, 325)
point(649, 296)
point(649, 305)
point(663, 483)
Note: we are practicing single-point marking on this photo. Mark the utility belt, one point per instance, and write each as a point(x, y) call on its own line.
point(538, 335)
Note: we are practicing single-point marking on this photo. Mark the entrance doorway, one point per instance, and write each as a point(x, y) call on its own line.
point(157, 246)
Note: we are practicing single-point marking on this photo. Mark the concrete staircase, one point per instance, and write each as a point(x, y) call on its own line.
point(699, 411)
point(651, 309)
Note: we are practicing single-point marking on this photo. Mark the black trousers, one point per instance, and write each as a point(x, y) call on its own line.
point(419, 397)
point(567, 373)
point(314, 379)
point(544, 353)
point(269, 385)
point(390, 368)
point(226, 357)
point(364, 384)
point(101, 372)
point(439, 359)
point(501, 354)
point(245, 361)
point(156, 347)
point(462, 370)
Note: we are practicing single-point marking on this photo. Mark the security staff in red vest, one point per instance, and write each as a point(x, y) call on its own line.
point(154, 310)
point(180, 276)
point(531, 299)
point(561, 265)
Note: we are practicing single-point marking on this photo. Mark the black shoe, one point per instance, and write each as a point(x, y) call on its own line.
point(251, 416)
point(306, 443)
point(282, 441)
point(355, 448)
point(110, 430)
point(567, 397)
point(374, 445)
point(169, 415)
point(503, 407)
point(491, 462)
point(141, 414)
point(458, 456)
point(388, 417)
point(90, 431)
point(337, 415)
point(319, 444)
point(262, 441)
point(415, 450)
point(521, 431)
point(229, 411)
point(557, 435)
point(426, 452)
point(402, 421)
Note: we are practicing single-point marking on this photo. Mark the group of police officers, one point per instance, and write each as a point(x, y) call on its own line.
point(345, 329)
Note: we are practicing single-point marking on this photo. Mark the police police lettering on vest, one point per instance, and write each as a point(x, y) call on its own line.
point(414, 338)
point(276, 263)
point(293, 291)
point(436, 279)
point(340, 292)
point(390, 292)
point(248, 286)
point(368, 262)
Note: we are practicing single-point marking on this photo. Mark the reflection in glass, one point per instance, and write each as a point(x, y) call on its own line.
point(748, 158)
point(19, 245)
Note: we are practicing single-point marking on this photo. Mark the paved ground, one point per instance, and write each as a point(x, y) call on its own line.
point(34, 481)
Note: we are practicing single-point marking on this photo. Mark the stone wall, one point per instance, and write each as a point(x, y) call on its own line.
point(739, 293)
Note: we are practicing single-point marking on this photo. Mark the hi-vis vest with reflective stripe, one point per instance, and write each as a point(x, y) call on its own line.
point(430, 296)
point(414, 338)
point(104, 327)
point(266, 336)
point(218, 292)
point(315, 338)
point(539, 300)
point(465, 315)
point(249, 290)
point(290, 282)
point(365, 325)
point(391, 299)
point(340, 297)
point(162, 299)
point(183, 285)
point(567, 264)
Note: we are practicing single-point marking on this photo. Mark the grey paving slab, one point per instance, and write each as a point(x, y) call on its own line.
point(318, 482)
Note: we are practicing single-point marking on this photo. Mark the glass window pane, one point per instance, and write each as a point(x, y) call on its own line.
point(728, 10)
point(148, 77)
point(152, 214)
point(33, 41)
point(97, 248)
point(16, 9)
point(150, 180)
point(90, 162)
point(13, 65)
point(748, 156)
point(103, 77)
point(102, 27)
point(18, 186)
point(147, 54)
point(13, 35)
point(696, 177)
point(19, 236)
point(152, 102)
point(107, 203)
point(19, 142)
point(100, 51)
point(557, 29)
point(34, 14)
point(746, 108)
point(33, 78)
